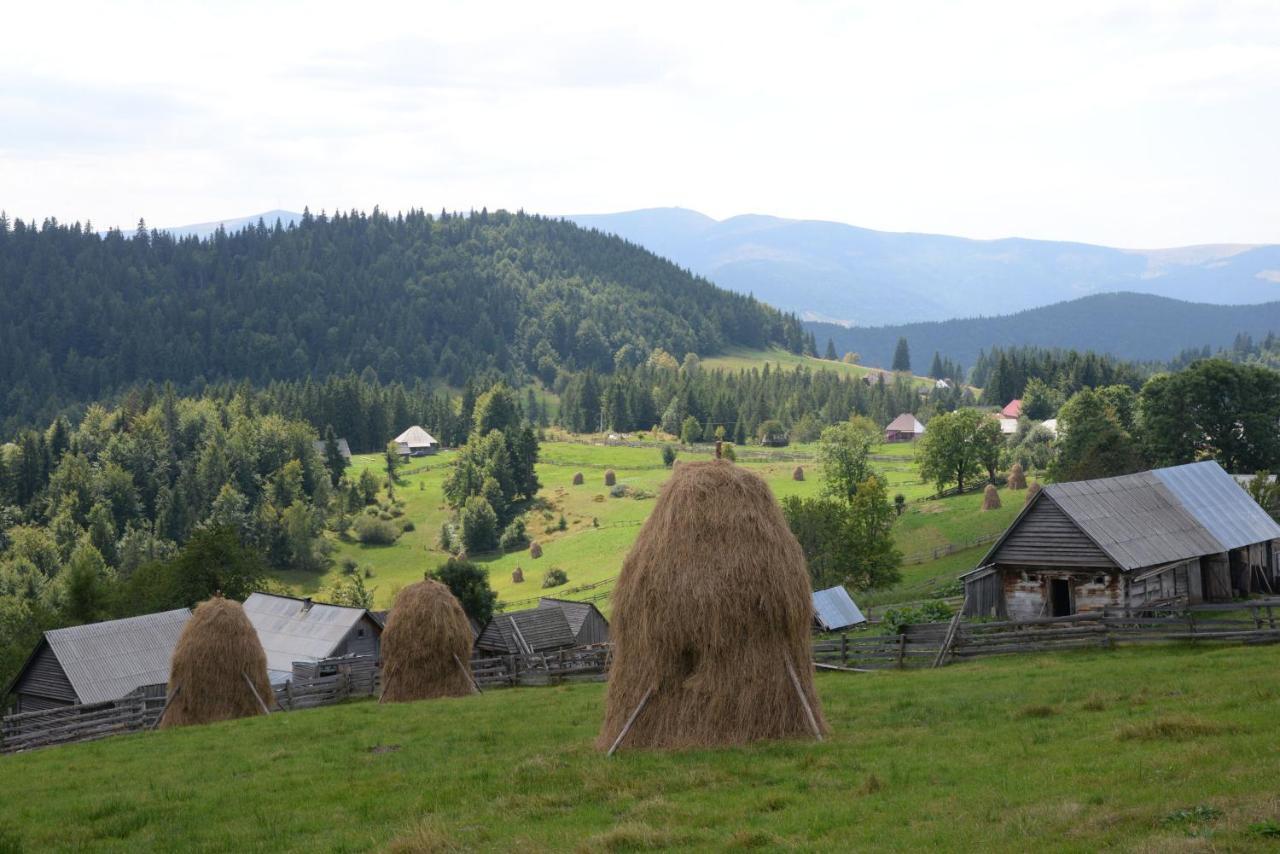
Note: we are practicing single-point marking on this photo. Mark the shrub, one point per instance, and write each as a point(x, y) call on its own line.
point(375, 532)
point(446, 537)
point(407, 525)
point(563, 524)
point(384, 515)
point(348, 565)
point(728, 453)
point(554, 578)
point(514, 535)
point(933, 611)
point(618, 490)
point(900, 503)
point(470, 584)
point(668, 455)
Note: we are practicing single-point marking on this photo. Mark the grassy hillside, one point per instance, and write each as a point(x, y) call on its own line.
point(1155, 749)
point(600, 529)
point(741, 358)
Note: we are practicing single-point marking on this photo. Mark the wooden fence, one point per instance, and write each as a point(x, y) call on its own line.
point(47, 727)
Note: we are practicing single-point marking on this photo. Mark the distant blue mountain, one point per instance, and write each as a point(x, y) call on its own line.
point(830, 271)
point(1131, 326)
point(204, 229)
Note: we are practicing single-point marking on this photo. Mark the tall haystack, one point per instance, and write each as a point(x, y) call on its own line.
point(991, 497)
point(610, 478)
point(798, 474)
point(711, 620)
point(218, 671)
point(1017, 477)
point(1033, 490)
point(517, 576)
point(577, 479)
point(426, 645)
point(535, 550)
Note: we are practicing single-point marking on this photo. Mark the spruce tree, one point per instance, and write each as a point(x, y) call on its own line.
point(902, 356)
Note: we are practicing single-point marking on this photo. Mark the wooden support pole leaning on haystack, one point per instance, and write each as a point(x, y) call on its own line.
point(167, 700)
point(467, 670)
point(626, 728)
point(804, 701)
point(256, 695)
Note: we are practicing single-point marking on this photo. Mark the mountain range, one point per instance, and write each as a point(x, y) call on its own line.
point(857, 276)
point(1131, 326)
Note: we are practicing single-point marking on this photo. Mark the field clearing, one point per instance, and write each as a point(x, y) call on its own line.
point(600, 528)
point(1151, 749)
point(743, 359)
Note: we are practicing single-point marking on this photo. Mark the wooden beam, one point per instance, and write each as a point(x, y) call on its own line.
point(804, 701)
point(626, 728)
point(167, 700)
point(470, 675)
point(256, 695)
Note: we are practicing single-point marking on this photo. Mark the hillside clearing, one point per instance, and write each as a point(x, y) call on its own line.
point(1149, 749)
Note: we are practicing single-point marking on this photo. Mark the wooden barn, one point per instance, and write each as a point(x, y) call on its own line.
point(585, 620)
point(905, 428)
point(1168, 537)
point(344, 448)
point(416, 442)
point(98, 662)
point(299, 630)
point(536, 630)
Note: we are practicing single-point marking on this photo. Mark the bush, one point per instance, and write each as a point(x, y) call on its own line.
point(479, 525)
point(375, 532)
point(470, 584)
point(514, 535)
point(554, 578)
point(668, 455)
point(619, 490)
point(407, 525)
point(348, 565)
point(933, 611)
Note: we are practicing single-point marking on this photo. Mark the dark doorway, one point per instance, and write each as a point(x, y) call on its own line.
point(1060, 597)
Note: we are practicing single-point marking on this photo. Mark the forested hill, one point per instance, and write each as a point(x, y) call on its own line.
point(410, 296)
point(1130, 326)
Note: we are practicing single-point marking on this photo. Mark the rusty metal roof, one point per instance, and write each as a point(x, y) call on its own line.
point(105, 661)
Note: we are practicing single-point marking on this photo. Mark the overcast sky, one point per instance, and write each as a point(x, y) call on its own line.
point(1130, 124)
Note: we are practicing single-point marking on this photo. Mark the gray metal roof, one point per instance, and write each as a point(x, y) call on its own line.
point(533, 630)
point(297, 629)
point(344, 449)
point(905, 423)
point(1219, 503)
point(1161, 516)
point(105, 661)
point(834, 609)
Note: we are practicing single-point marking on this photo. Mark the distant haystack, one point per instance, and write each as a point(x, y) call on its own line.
point(991, 497)
point(798, 474)
point(610, 478)
point(219, 669)
point(1017, 477)
point(426, 646)
point(535, 550)
point(711, 620)
point(577, 479)
point(1033, 490)
point(517, 576)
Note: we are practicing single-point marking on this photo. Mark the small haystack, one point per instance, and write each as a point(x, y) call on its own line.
point(991, 497)
point(517, 576)
point(1017, 477)
point(1033, 490)
point(711, 620)
point(610, 478)
point(535, 550)
point(798, 474)
point(218, 671)
point(426, 646)
point(577, 479)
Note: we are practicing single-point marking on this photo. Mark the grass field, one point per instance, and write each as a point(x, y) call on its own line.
point(600, 528)
point(739, 359)
point(1154, 749)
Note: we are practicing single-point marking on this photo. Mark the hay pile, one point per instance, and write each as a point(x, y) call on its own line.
point(1017, 477)
point(426, 645)
point(711, 618)
point(1033, 490)
point(577, 479)
point(517, 576)
point(217, 649)
point(798, 474)
point(610, 478)
point(535, 550)
point(991, 497)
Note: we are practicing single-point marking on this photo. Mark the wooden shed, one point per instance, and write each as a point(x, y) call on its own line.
point(1168, 537)
point(535, 630)
point(585, 620)
point(905, 428)
point(98, 662)
point(299, 630)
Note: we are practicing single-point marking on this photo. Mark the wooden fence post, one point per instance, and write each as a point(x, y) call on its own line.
point(844, 649)
point(902, 650)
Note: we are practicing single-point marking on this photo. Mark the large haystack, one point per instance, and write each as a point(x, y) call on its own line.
point(711, 620)
point(991, 497)
point(1032, 491)
point(610, 478)
point(217, 666)
point(1017, 477)
point(426, 645)
point(577, 479)
point(798, 474)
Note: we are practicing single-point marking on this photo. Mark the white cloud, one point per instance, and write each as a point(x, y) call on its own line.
point(1130, 124)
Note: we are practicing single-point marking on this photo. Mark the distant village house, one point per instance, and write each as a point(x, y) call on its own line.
point(416, 442)
point(905, 428)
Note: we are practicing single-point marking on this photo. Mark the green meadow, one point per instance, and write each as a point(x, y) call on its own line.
point(1149, 749)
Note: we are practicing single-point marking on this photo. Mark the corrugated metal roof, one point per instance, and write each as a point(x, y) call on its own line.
point(1220, 504)
point(835, 609)
point(298, 630)
point(533, 630)
point(105, 661)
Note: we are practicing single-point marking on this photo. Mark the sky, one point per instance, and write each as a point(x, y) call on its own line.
point(1139, 125)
